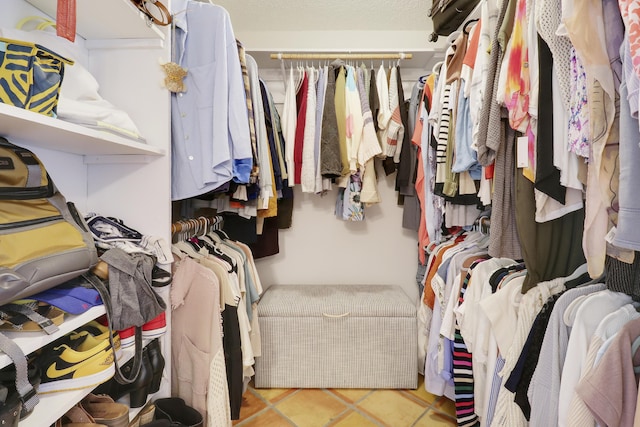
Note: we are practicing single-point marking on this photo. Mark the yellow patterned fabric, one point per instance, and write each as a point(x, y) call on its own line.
point(30, 76)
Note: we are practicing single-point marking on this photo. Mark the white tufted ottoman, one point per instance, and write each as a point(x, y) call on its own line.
point(337, 336)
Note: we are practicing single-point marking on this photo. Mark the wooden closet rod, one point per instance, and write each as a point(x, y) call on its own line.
point(399, 55)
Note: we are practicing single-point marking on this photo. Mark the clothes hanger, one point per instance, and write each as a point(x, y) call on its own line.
point(187, 250)
point(466, 25)
point(578, 272)
point(226, 258)
point(208, 242)
point(216, 233)
point(437, 67)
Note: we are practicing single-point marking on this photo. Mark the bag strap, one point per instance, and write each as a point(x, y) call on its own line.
point(46, 324)
point(137, 358)
point(42, 22)
point(28, 395)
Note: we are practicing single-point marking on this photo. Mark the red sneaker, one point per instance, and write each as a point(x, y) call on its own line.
point(155, 327)
point(127, 337)
point(152, 329)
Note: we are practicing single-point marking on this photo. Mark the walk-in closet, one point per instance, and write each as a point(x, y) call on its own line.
point(319, 214)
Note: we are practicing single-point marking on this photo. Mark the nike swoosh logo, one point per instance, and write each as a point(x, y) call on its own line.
point(54, 372)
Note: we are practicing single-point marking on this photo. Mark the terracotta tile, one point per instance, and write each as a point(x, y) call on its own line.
point(350, 395)
point(353, 419)
point(274, 395)
point(311, 408)
point(391, 407)
point(446, 406)
point(269, 418)
point(251, 405)
point(423, 396)
point(435, 419)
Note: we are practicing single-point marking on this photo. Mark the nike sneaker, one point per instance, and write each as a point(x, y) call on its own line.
point(76, 362)
point(101, 332)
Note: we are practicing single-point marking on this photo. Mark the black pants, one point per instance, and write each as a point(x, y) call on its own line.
point(233, 358)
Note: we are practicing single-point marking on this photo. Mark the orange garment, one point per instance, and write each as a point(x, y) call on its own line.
point(416, 139)
point(472, 49)
point(429, 296)
point(430, 85)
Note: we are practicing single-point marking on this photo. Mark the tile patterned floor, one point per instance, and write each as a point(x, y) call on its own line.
point(345, 408)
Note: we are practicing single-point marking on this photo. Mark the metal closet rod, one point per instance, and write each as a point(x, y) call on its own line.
point(399, 55)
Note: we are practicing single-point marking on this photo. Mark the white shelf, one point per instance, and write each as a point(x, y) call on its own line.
point(111, 19)
point(31, 341)
point(52, 406)
point(48, 132)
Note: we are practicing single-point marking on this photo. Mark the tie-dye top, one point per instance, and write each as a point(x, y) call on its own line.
point(630, 10)
point(518, 85)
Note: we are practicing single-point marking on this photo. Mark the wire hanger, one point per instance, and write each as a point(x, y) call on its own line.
point(437, 67)
point(466, 25)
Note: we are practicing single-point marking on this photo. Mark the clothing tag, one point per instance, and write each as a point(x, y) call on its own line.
point(611, 235)
point(522, 149)
point(66, 19)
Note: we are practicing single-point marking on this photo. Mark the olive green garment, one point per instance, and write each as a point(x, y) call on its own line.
point(341, 117)
point(550, 249)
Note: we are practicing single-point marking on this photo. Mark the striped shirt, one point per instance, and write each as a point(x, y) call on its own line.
point(463, 370)
point(496, 385)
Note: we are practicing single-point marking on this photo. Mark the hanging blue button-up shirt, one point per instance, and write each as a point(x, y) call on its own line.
point(211, 143)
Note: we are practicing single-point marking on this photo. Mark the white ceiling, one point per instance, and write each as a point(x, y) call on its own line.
point(334, 26)
point(326, 15)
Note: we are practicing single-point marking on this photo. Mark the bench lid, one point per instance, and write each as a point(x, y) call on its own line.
point(335, 301)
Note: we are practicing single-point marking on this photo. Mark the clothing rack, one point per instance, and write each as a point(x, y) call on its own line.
point(341, 55)
point(198, 225)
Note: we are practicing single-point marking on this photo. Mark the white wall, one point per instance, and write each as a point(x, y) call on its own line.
point(321, 249)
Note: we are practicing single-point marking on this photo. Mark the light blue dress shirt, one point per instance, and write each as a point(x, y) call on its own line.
point(211, 143)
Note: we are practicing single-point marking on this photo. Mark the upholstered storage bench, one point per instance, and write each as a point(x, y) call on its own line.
point(337, 336)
